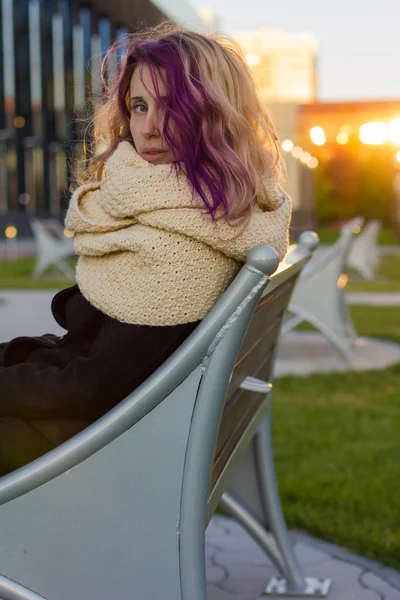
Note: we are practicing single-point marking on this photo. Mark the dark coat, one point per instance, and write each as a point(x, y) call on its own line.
point(87, 371)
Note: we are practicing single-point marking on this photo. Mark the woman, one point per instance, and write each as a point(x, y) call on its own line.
point(188, 184)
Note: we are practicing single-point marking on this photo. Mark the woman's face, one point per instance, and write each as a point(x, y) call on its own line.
point(147, 117)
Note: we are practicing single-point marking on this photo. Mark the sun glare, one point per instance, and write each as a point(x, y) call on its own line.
point(394, 131)
point(317, 136)
point(252, 60)
point(374, 133)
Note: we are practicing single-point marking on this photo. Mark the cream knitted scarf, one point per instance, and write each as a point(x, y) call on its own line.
point(149, 253)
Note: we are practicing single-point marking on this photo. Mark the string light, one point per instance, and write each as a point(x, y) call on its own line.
point(305, 157)
point(394, 131)
point(374, 134)
point(313, 163)
point(10, 232)
point(297, 151)
point(317, 136)
point(287, 145)
point(346, 129)
point(19, 122)
point(342, 138)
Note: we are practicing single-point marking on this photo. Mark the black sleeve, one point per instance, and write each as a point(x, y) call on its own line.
point(2, 349)
point(121, 357)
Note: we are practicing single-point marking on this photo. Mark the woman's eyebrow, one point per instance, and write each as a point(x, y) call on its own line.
point(141, 99)
point(135, 98)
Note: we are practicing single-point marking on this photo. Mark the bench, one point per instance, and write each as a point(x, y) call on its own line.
point(319, 296)
point(120, 510)
point(52, 249)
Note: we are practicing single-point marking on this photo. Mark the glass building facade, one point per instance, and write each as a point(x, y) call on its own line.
point(50, 59)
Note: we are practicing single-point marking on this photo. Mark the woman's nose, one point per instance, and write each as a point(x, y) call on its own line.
point(150, 126)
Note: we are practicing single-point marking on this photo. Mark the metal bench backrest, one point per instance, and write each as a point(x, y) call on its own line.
point(255, 359)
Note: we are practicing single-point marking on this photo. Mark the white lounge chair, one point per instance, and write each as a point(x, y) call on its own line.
point(364, 252)
point(319, 294)
point(51, 250)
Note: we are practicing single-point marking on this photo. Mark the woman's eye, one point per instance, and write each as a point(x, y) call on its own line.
point(139, 108)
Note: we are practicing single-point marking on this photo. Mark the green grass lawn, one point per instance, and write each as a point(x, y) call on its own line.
point(382, 322)
point(17, 275)
point(337, 449)
point(329, 235)
point(387, 280)
point(337, 455)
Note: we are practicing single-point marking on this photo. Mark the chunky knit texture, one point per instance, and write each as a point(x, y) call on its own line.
point(149, 252)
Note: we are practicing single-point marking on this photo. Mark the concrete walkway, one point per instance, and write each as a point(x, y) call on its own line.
point(374, 298)
point(24, 312)
point(238, 570)
point(306, 352)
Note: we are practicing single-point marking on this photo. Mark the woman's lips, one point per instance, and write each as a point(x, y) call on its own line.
point(153, 155)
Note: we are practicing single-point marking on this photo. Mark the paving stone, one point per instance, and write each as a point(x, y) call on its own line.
point(391, 575)
point(229, 526)
point(247, 571)
point(366, 564)
point(215, 593)
point(212, 547)
point(216, 574)
point(307, 555)
point(239, 544)
point(218, 522)
point(235, 540)
point(210, 554)
point(333, 595)
point(305, 352)
point(239, 556)
point(246, 580)
point(374, 582)
point(218, 528)
point(346, 580)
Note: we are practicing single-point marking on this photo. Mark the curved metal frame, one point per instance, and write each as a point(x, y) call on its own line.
point(202, 440)
point(199, 457)
point(10, 590)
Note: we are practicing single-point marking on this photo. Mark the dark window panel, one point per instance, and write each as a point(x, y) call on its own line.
point(122, 33)
point(49, 8)
point(105, 35)
point(35, 67)
point(8, 62)
point(23, 108)
point(2, 99)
